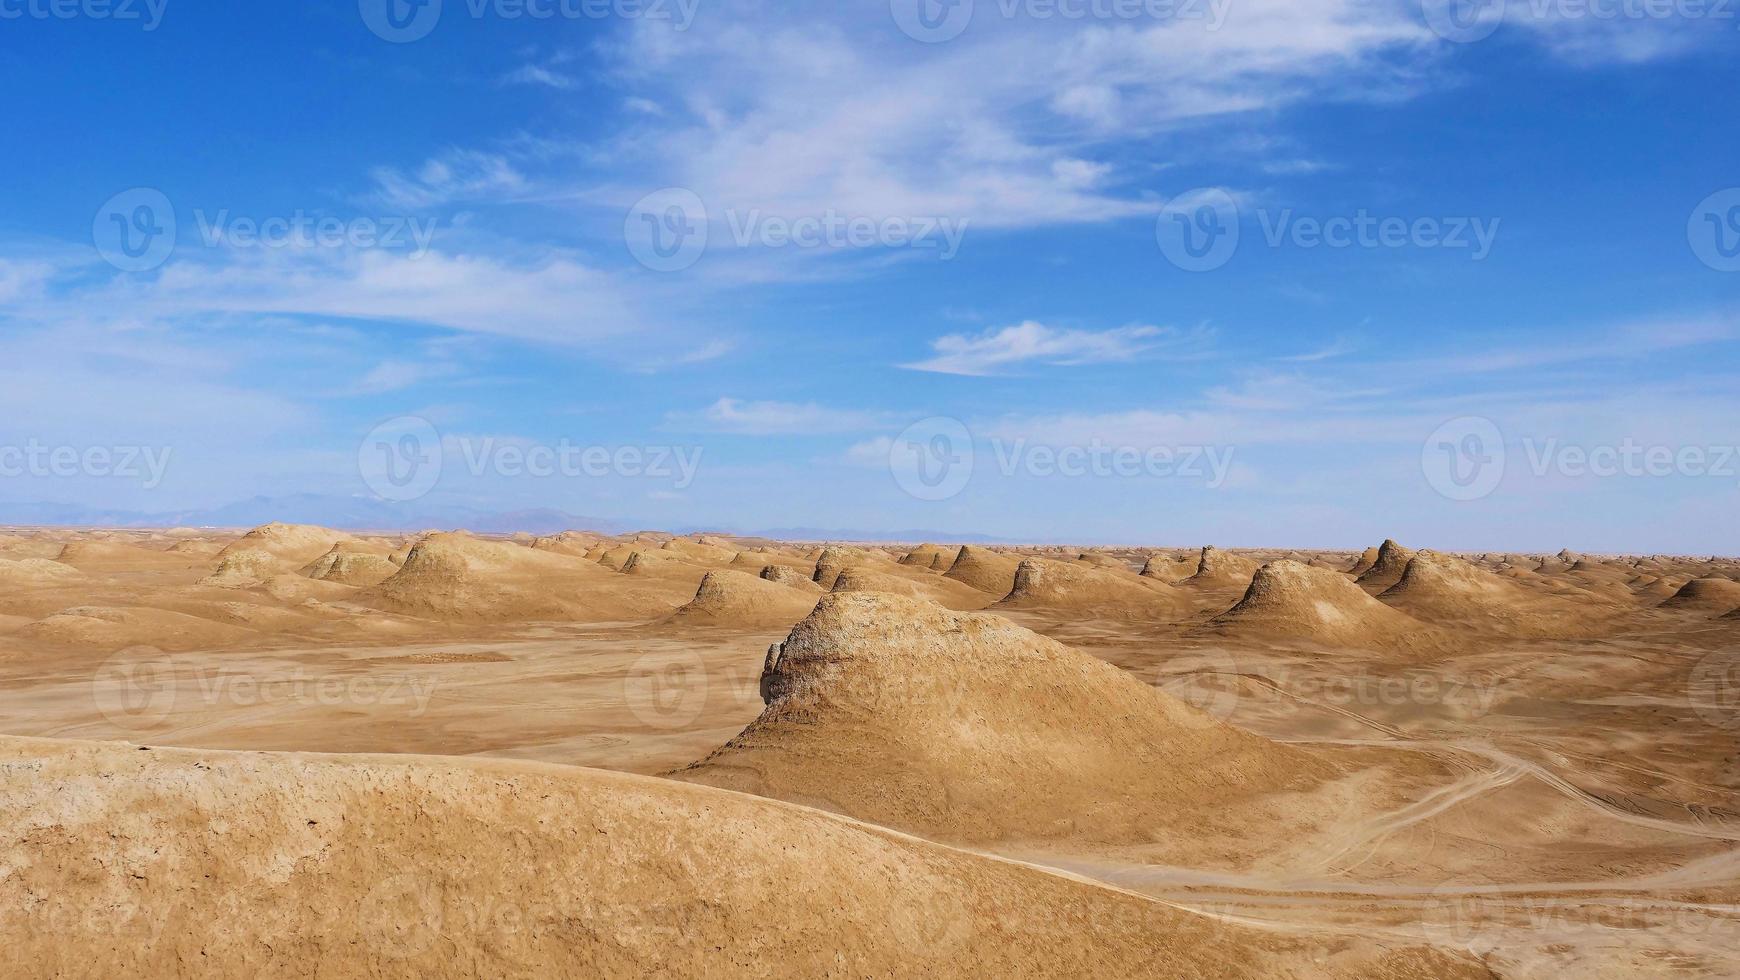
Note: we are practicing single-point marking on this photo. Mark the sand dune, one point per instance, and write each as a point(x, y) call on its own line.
point(964, 726)
point(348, 567)
point(933, 556)
point(1101, 560)
point(1392, 561)
point(1169, 568)
point(576, 543)
point(731, 598)
point(372, 866)
point(1715, 595)
point(36, 572)
point(1044, 584)
point(456, 576)
point(109, 628)
point(1364, 562)
point(241, 569)
point(297, 544)
point(1217, 569)
point(1290, 601)
point(1445, 589)
point(118, 555)
point(696, 551)
point(787, 575)
point(984, 570)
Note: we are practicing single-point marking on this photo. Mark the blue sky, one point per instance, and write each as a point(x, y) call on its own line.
point(1005, 204)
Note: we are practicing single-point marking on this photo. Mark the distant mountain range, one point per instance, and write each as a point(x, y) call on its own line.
point(369, 514)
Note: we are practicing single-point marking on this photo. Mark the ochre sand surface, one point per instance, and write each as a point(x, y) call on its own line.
point(298, 752)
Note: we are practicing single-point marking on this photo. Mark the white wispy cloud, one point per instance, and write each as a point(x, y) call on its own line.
point(1032, 342)
point(739, 417)
point(1016, 123)
point(539, 75)
point(456, 175)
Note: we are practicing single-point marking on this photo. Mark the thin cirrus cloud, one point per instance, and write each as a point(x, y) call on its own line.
point(1005, 125)
point(737, 417)
point(539, 75)
point(455, 175)
point(999, 351)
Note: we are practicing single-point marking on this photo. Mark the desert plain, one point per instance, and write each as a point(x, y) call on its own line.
point(292, 751)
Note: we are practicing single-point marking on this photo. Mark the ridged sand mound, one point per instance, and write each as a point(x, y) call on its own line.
point(348, 567)
point(1290, 601)
point(731, 598)
point(1063, 586)
point(455, 576)
point(1714, 595)
point(1445, 589)
point(1392, 560)
point(345, 867)
point(295, 543)
point(987, 571)
point(965, 726)
point(1217, 569)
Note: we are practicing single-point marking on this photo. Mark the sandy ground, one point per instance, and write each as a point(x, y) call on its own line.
point(1531, 763)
